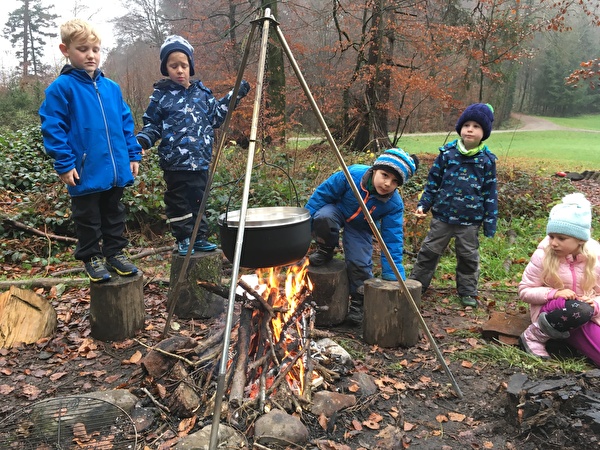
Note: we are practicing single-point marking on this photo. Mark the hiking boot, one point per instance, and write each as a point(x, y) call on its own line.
point(202, 245)
point(121, 264)
point(321, 256)
point(533, 340)
point(467, 300)
point(96, 270)
point(183, 247)
point(355, 311)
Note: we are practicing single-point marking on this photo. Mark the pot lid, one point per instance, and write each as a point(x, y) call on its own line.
point(266, 217)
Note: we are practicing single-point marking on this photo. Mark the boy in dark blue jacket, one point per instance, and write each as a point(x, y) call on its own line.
point(183, 114)
point(333, 206)
point(462, 194)
point(88, 130)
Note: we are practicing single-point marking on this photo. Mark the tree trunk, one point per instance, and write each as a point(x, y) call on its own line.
point(373, 131)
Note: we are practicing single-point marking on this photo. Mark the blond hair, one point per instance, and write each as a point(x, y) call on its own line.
point(78, 30)
point(550, 269)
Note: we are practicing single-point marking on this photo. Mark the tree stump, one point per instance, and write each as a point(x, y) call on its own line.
point(330, 291)
point(193, 301)
point(117, 308)
point(25, 317)
point(389, 318)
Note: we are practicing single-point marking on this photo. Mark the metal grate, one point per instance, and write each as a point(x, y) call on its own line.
point(69, 423)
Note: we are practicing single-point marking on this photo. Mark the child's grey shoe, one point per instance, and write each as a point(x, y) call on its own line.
point(121, 264)
point(96, 270)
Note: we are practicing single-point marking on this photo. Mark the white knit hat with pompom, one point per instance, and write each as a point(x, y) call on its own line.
point(572, 217)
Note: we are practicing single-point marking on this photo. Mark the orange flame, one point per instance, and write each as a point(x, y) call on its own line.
point(295, 282)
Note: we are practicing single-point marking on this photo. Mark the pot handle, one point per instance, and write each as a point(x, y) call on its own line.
point(237, 182)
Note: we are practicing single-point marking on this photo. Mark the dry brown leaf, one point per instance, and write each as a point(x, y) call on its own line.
point(162, 391)
point(186, 425)
point(112, 378)
point(354, 387)
point(31, 392)
point(467, 364)
point(136, 357)
point(323, 421)
point(6, 389)
point(57, 376)
point(375, 417)
point(409, 426)
point(357, 425)
point(456, 417)
point(371, 424)
point(488, 444)
point(441, 418)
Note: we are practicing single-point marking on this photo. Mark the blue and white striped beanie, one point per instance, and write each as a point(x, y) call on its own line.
point(572, 217)
point(172, 44)
point(399, 162)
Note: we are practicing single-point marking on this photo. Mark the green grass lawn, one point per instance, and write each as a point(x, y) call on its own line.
point(587, 122)
point(544, 150)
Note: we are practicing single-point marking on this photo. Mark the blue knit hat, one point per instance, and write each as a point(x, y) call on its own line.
point(172, 44)
point(572, 217)
point(399, 162)
point(482, 113)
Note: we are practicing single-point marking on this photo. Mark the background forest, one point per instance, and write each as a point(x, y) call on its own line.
point(377, 69)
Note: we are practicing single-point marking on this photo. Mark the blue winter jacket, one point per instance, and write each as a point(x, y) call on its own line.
point(87, 125)
point(184, 119)
point(387, 212)
point(462, 190)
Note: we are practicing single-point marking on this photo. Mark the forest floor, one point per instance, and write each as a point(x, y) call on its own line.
point(416, 405)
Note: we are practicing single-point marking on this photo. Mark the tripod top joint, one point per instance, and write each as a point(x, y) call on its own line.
point(267, 16)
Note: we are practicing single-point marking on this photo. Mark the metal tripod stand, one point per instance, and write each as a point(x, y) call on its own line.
point(267, 20)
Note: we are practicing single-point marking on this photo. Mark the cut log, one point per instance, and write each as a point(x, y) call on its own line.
point(389, 319)
point(330, 292)
point(117, 308)
point(25, 317)
point(193, 301)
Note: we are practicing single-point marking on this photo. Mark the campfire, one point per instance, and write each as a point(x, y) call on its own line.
point(272, 361)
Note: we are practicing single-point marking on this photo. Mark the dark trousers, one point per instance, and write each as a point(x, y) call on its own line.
point(182, 202)
point(357, 243)
point(466, 245)
point(99, 224)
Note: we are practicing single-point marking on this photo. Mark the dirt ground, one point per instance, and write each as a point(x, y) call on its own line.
point(415, 406)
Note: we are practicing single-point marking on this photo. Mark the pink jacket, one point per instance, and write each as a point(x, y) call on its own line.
point(533, 291)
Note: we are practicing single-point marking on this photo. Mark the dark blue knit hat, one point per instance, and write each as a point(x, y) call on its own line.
point(399, 162)
point(172, 44)
point(482, 113)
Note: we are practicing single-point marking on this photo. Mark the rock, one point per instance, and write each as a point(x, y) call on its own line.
point(327, 402)
point(280, 429)
point(227, 438)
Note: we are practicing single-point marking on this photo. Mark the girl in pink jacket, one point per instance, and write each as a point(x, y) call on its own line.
point(562, 283)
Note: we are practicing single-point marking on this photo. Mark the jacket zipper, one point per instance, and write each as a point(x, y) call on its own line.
point(110, 149)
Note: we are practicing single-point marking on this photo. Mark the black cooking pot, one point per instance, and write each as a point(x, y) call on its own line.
point(273, 236)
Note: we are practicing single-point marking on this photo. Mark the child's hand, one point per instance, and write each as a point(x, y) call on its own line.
point(244, 89)
point(135, 167)
point(70, 178)
point(567, 294)
point(419, 213)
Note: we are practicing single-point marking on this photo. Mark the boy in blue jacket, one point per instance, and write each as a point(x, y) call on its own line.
point(183, 114)
point(462, 194)
point(333, 206)
point(88, 130)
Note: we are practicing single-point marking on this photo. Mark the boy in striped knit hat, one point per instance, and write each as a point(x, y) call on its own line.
point(333, 206)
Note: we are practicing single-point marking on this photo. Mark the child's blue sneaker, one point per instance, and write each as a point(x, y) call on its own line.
point(183, 247)
point(202, 245)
